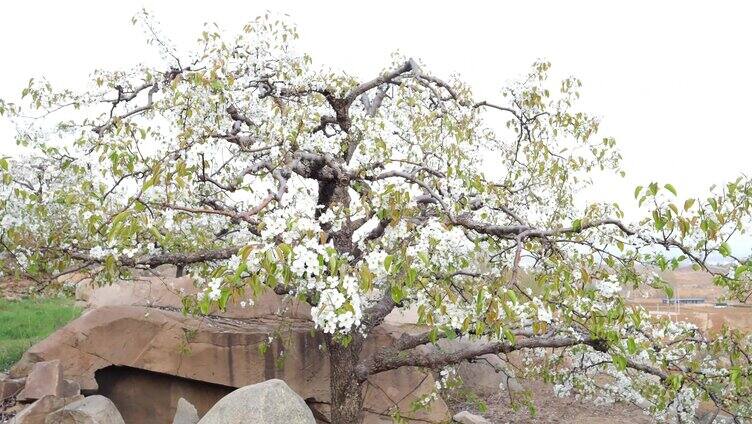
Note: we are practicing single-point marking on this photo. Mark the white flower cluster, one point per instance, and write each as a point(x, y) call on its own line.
point(609, 287)
point(339, 307)
point(213, 291)
point(443, 245)
point(212, 288)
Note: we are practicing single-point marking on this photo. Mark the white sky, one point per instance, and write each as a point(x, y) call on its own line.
point(671, 80)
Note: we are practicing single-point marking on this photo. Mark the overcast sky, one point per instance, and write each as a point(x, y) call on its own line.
point(671, 80)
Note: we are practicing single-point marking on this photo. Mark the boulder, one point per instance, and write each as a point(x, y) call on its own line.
point(486, 375)
point(270, 402)
point(38, 411)
point(84, 289)
point(465, 417)
point(45, 378)
point(10, 387)
point(218, 352)
point(483, 377)
point(186, 413)
point(90, 410)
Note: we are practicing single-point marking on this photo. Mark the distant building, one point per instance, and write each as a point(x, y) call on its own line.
point(685, 300)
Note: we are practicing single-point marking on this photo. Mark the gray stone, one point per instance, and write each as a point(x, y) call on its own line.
point(186, 413)
point(465, 417)
point(487, 375)
point(270, 402)
point(90, 410)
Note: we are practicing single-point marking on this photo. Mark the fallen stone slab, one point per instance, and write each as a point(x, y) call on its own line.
point(36, 412)
point(90, 410)
point(270, 402)
point(45, 378)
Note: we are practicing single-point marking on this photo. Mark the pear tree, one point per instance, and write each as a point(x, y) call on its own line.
point(252, 169)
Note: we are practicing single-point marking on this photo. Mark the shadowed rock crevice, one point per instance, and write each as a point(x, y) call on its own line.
point(144, 396)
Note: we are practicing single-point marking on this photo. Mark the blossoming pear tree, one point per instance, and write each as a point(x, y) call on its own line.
point(251, 169)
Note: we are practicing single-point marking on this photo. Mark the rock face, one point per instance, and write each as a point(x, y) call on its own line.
point(185, 413)
point(223, 352)
point(270, 402)
point(90, 410)
point(38, 411)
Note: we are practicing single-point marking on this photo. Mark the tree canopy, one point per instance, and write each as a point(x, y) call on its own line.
point(252, 169)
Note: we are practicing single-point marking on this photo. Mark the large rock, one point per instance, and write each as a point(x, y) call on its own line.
point(90, 410)
point(222, 352)
point(38, 411)
point(486, 375)
point(270, 402)
point(186, 413)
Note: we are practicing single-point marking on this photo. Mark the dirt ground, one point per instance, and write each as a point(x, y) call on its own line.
point(551, 409)
point(12, 288)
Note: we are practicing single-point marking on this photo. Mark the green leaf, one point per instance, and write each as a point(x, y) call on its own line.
point(509, 335)
point(397, 294)
point(724, 249)
point(637, 191)
point(620, 362)
point(388, 262)
point(670, 188)
point(631, 346)
point(688, 204)
point(223, 299)
point(669, 291)
point(204, 306)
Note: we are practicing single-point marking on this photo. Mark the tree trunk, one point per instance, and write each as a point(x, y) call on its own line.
point(347, 395)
